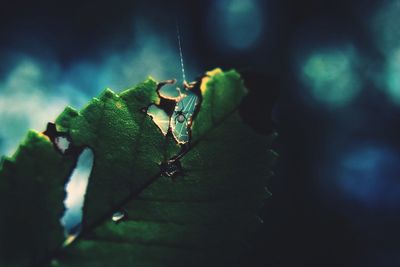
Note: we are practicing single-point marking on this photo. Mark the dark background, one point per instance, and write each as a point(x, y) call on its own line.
point(336, 194)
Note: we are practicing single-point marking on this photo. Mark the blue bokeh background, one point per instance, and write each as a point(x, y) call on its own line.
point(326, 75)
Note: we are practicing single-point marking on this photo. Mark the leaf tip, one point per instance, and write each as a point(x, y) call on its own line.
point(107, 94)
point(209, 75)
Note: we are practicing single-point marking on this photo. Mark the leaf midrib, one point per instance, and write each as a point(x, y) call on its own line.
point(87, 230)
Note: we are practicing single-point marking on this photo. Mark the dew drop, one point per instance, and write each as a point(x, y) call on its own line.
point(171, 168)
point(118, 216)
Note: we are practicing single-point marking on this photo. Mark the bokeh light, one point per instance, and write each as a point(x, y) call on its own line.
point(385, 27)
point(331, 77)
point(236, 24)
point(361, 177)
point(392, 76)
point(369, 175)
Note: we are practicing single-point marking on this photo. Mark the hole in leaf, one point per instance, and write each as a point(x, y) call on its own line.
point(160, 118)
point(186, 103)
point(62, 143)
point(181, 119)
point(60, 140)
point(168, 90)
point(76, 189)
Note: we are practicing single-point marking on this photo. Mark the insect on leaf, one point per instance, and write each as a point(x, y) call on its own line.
point(181, 119)
point(185, 105)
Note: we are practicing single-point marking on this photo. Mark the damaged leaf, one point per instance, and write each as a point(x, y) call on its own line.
point(199, 214)
point(31, 201)
point(186, 102)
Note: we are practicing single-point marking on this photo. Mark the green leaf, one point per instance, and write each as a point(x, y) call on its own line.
point(201, 217)
point(31, 201)
point(127, 146)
